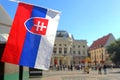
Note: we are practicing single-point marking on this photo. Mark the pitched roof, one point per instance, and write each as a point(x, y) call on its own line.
point(65, 34)
point(100, 42)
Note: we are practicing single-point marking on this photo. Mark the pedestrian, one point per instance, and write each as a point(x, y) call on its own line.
point(99, 69)
point(105, 69)
point(80, 67)
point(68, 67)
point(71, 67)
point(87, 69)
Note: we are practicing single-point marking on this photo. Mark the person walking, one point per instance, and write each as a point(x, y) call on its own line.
point(105, 69)
point(99, 69)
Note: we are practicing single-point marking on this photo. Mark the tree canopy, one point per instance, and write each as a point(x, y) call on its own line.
point(114, 51)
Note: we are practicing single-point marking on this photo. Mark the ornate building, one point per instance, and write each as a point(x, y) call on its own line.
point(68, 51)
point(97, 50)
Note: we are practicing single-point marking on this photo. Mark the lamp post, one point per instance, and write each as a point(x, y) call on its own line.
point(102, 57)
point(95, 59)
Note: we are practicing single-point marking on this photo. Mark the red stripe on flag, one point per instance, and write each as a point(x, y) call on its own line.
point(17, 35)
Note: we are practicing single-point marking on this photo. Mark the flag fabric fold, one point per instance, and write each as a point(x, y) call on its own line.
point(32, 36)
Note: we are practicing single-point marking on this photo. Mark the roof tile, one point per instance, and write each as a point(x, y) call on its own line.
point(100, 42)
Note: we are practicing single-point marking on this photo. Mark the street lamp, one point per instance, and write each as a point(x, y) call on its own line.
point(102, 58)
point(95, 59)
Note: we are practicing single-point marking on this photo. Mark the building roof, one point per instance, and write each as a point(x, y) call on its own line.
point(64, 34)
point(101, 42)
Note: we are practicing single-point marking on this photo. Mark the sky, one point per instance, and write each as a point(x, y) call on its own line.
point(84, 19)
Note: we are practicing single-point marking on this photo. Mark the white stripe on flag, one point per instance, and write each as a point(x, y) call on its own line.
point(47, 42)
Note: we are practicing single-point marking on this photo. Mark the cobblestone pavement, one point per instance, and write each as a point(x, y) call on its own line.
point(91, 78)
point(79, 75)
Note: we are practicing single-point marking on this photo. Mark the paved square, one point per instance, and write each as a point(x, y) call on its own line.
point(79, 75)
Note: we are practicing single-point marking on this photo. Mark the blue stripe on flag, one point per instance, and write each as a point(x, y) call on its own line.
point(29, 24)
point(32, 41)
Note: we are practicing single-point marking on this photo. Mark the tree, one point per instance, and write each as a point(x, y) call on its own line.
point(114, 51)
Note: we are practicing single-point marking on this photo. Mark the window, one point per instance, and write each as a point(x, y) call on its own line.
point(60, 44)
point(78, 46)
point(79, 52)
point(60, 50)
point(54, 44)
point(55, 50)
point(65, 50)
point(65, 45)
point(83, 46)
point(74, 52)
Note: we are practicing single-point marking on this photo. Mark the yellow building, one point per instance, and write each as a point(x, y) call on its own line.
point(97, 50)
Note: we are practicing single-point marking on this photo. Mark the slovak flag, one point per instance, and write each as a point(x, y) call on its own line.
point(32, 37)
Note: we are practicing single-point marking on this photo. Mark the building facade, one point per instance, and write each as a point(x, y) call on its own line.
point(97, 50)
point(68, 51)
point(79, 51)
point(62, 49)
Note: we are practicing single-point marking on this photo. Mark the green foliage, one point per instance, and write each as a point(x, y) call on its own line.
point(114, 51)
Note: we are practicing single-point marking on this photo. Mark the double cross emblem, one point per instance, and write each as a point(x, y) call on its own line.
point(37, 25)
point(40, 27)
